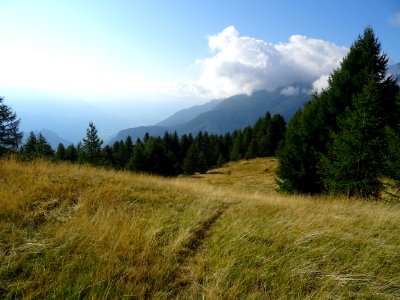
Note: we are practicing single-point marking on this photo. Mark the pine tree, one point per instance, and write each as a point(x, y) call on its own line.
point(71, 154)
point(201, 163)
point(301, 168)
point(237, 147)
point(60, 152)
point(10, 136)
point(107, 157)
point(30, 146)
point(191, 160)
point(43, 148)
point(275, 133)
point(157, 161)
point(297, 171)
point(261, 130)
point(137, 161)
point(91, 146)
point(392, 157)
point(128, 148)
point(357, 153)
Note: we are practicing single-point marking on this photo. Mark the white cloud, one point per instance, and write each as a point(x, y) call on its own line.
point(290, 91)
point(242, 64)
point(321, 83)
point(395, 19)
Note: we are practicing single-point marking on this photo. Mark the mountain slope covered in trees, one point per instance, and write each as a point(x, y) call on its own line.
point(226, 115)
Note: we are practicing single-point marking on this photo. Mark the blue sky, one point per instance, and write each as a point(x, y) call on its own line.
point(145, 51)
point(159, 41)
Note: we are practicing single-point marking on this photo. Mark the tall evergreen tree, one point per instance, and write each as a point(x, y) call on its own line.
point(60, 152)
point(10, 136)
point(71, 154)
point(137, 161)
point(43, 148)
point(107, 157)
point(190, 163)
point(275, 133)
point(356, 157)
point(392, 158)
point(30, 145)
point(91, 146)
point(300, 161)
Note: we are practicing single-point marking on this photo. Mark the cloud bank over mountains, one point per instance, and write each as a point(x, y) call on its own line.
point(242, 64)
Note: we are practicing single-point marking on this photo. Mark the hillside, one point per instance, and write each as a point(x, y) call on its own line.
point(69, 231)
point(222, 116)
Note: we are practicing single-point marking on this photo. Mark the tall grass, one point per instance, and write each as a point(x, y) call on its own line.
point(69, 231)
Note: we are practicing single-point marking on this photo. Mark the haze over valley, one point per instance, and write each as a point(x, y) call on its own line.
point(120, 66)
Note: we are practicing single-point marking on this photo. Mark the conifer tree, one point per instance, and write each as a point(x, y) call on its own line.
point(308, 144)
point(137, 161)
point(10, 136)
point(275, 133)
point(43, 148)
point(107, 157)
point(356, 156)
point(29, 148)
point(392, 157)
point(60, 152)
point(71, 153)
point(190, 163)
point(91, 146)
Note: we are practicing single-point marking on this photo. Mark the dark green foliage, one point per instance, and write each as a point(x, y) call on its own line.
point(237, 147)
point(36, 146)
point(156, 158)
point(71, 154)
point(261, 133)
point(276, 132)
point(392, 158)
point(107, 157)
point(320, 151)
point(60, 152)
point(356, 156)
point(29, 148)
point(91, 146)
point(137, 161)
point(43, 148)
point(10, 136)
point(298, 160)
point(190, 163)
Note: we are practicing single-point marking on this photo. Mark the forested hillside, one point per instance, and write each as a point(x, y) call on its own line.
point(170, 155)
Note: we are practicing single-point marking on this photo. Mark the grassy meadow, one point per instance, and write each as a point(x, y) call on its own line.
point(70, 231)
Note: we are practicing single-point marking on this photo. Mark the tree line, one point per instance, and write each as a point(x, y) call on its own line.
point(169, 155)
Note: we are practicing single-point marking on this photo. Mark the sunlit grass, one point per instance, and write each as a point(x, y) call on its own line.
point(69, 231)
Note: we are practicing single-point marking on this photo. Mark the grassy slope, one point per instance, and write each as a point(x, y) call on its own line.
point(73, 232)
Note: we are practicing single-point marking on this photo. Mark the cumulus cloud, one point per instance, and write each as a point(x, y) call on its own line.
point(242, 64)
point(395, 19)
point(290, 91)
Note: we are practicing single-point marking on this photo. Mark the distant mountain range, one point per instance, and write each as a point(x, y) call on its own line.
point(395, 71)
point(221, 116)
point(69, 118)
point(226, 115)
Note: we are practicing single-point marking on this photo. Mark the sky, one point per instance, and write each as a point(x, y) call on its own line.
point(172, 54)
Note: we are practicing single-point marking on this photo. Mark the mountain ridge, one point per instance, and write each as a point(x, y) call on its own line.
point(225, 115)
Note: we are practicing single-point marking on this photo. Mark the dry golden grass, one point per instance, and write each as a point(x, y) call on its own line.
point(69, 231)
